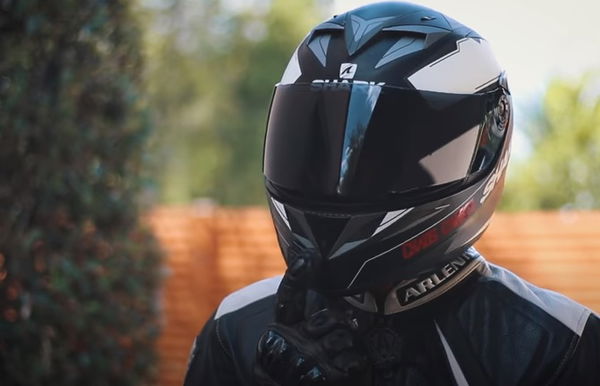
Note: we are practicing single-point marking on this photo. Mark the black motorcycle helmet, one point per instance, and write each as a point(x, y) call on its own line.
point(386, 145)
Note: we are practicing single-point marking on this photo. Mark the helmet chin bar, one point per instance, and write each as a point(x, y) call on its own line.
point(412, 293)
point(367, 251)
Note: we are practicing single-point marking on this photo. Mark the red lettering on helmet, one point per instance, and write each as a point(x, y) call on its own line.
point(419, 243)
point(432, 236)
point(458, 218)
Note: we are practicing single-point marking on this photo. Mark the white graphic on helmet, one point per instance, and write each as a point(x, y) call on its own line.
point(455, 72)
point(390, 218)
point(495, 176)
point(333, 83)
point(347, 70)
point(292, 71)
point(281, 211)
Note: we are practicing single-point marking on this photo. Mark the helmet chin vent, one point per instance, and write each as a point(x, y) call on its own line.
point(327, 230)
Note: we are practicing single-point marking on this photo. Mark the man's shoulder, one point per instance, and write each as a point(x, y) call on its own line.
point(248, 296)
point(522, 293)
point(515, 331)
point(223, 352)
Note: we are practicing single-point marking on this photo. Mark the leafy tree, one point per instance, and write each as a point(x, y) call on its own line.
point(563, 170)
point(212, 68)
point(78, 275)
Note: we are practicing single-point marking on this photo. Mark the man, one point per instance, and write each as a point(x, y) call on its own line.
point(386, 147)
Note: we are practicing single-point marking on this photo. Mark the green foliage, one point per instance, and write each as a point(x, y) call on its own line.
point(563, 170)
point(212, 69)
point(78, 275)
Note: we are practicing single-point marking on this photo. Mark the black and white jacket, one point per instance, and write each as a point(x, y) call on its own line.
point(492, 328)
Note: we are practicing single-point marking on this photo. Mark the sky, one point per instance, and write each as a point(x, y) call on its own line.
point(534, 41)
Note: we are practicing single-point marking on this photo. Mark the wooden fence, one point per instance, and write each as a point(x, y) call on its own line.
point(213, 251)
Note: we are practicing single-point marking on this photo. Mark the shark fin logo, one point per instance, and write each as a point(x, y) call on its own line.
point(347, 70)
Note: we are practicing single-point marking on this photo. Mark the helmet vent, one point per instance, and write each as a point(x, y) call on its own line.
point(328, 230)
point(404, 46)
point(359, 31)
point(318, 45)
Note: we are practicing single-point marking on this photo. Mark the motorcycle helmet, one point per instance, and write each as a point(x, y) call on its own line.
point(386, 145)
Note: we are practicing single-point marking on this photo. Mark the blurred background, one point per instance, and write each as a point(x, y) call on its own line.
point(131, 192)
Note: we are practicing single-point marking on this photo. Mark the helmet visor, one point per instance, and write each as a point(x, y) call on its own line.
point(365, 141)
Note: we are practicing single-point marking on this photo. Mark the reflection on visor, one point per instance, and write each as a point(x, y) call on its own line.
point(361, 141)
point(363, 100)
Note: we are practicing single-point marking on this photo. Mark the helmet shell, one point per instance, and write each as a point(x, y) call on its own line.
point(386, 145)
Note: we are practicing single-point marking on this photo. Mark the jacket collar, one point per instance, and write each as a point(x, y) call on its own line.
point(412, 293)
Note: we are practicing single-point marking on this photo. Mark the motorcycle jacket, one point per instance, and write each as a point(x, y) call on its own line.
point(469, 323)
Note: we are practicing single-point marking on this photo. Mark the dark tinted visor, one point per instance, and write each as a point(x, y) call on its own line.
point(366, 141)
